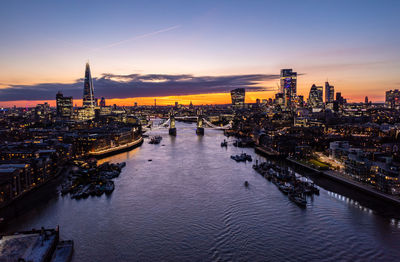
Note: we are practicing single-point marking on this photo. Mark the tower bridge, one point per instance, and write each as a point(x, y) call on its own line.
point(201, 123)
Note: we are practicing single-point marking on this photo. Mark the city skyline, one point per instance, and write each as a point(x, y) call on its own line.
point(356, 54)
point(200, 130)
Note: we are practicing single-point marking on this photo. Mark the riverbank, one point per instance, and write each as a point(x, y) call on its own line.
point(268, 153)
point(190, 204)
point(27, 199)
point(336, 176)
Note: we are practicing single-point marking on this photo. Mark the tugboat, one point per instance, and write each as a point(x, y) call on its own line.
point(224, 143)
point(155, 140)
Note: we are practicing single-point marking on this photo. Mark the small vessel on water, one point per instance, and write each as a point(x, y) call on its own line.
point(109, 187)
point(224, 143)
point(243, 157)
point(285, 188)
point(155, 140)
point(298, 199)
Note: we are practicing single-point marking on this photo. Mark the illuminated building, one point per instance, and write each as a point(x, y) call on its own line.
point(288, 87)
point(329, 93)
point(315, 97)
point(43, 112)
point(88, 93)
point(237, 96)
point(102, 102)
point(64, 105)
point(300, 101)
point(85, 113)
point(279, 100)
point(392, 98)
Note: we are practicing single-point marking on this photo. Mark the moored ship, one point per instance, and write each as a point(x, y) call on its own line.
point(121, 142)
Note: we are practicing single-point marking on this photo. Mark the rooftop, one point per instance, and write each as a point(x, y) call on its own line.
point(30, 246)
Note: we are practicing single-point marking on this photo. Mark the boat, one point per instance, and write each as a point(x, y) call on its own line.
point(285, 188)
point(224, 143)
point(155, 140)
point(111, 150)
point(300, 200)
point(109, 187)
point(242, 157)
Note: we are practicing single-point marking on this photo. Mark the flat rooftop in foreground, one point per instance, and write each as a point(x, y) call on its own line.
point(33, 246)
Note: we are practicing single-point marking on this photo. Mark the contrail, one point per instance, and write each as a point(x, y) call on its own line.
point(138, 37)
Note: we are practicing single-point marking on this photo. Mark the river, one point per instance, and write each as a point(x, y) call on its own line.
point(189, 204)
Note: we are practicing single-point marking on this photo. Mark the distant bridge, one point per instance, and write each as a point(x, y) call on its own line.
point(202, 123)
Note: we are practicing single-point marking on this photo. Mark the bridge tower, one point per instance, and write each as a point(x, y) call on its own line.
point(200, 128)
point(172, 128)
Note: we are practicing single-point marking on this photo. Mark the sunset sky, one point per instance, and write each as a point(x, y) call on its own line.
point(195, 50)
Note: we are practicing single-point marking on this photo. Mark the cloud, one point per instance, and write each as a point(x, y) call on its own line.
point(137, 85)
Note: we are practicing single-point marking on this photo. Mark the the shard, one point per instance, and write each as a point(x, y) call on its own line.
point(88, 94)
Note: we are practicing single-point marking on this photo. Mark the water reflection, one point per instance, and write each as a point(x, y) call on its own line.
point(190, 203)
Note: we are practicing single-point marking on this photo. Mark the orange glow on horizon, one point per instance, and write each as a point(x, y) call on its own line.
point(201, 99)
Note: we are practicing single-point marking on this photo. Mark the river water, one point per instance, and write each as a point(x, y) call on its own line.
point(189, 204)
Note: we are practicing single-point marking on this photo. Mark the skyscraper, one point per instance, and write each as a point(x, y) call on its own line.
point(102, 102)
point(392, 99)
point(237, 96)
point(64, 105)
point(329, 93)
point(315, 97)
point(288, 86)
point(88, 93)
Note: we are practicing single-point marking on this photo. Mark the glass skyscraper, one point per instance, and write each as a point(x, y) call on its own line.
point(315, 97)
point(288, 86)
point(329, 93)
point(392, 99)
point(64, 105)
point(88, 93)
point(238, 96)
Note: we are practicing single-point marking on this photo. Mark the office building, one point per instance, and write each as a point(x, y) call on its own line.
point(329, 93)
point(392, 99)
point(315, 97)
point(64, 105)
point(288, 87)
point(238, 96)
point(102, 102)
